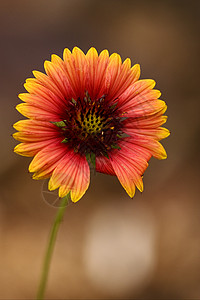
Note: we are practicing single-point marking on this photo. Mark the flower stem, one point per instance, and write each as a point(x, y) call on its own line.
point(49, 251)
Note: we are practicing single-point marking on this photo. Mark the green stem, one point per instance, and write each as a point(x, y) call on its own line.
point(49, 251)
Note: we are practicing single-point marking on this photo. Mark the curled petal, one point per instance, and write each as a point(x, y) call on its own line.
point(103, 165)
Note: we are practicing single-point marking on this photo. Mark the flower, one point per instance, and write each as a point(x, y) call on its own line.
point(90, 110)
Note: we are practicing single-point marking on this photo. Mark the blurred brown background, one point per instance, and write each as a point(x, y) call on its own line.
point(109, 246)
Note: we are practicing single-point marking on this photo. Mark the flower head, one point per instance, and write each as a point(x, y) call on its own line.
point(90, 109)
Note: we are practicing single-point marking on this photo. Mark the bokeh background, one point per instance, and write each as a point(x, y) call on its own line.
point(109, 246)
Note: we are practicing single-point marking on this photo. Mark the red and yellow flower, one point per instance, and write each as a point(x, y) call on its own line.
point(90, 110)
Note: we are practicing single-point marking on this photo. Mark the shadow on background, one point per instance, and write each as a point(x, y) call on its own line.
point(109, 246)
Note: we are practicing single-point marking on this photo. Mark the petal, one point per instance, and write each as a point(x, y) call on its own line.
point(135, 72)
point(92, 59)
point(47, 170)
point(125, 78)
point(142, 89)
point(42, 103)
point(103, 165)
point(35, 131)
point(96, 72)
point(102, 64)
point(31, 149)
point(158, 134)
point(61, 172)
point(60, 79)
point(35, 87)
point(81, 67)
point(145, 122)
point(55, 59)
point(70, 69)
point(72, 174)
point(46, 81)
point(139, 155)
point(34, 126)
point(132, 128)
point(76, 69)
point(36, 113)
point(48, 156)
point(148, 143)
point(140, 98)
point(43, 93)
point(44, 174)
point(27, 137)
point(148, 108)
point(81, 181)
point(124, 174)
point(129, 165)
point(112, 72)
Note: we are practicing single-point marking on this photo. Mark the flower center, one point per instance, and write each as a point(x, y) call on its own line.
point(91, 126)
point(90, 123)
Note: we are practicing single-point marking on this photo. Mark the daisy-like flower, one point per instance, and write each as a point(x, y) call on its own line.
point(90, 110)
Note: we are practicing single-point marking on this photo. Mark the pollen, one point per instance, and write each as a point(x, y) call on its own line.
point(90, 123)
